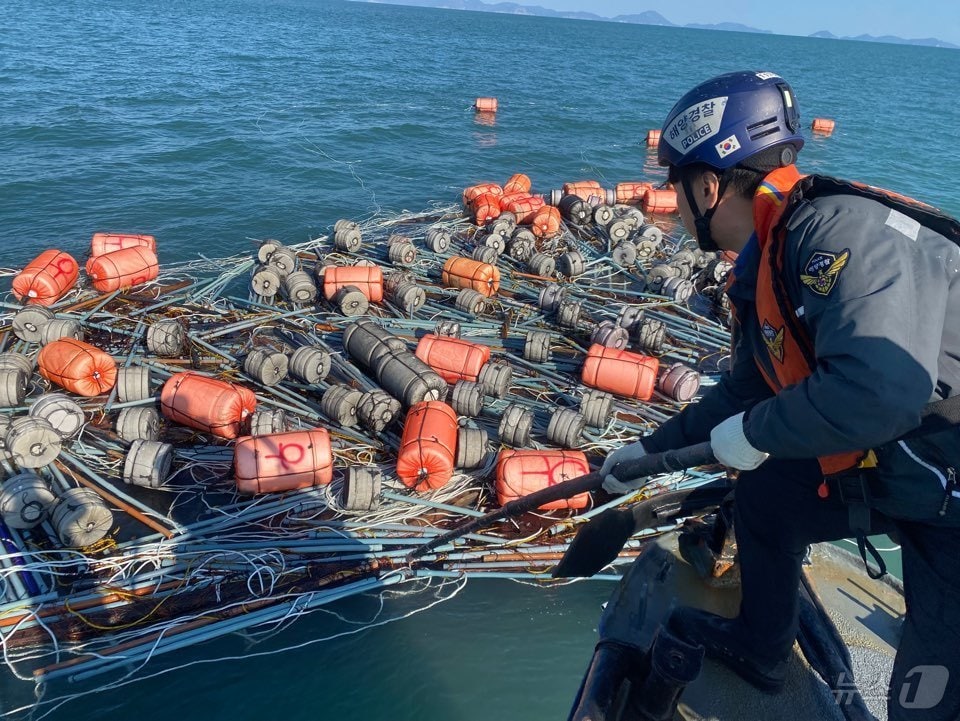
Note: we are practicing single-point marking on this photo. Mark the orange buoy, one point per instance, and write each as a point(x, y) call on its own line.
point(620, 371)
point(109, 242)
point(485, 105)
point(518, 183)
point(368, 279)
point(653, 138)
point(524, 208)
point(660, 201)
point(46, 278)
point(585, 189)
point(486, 207)
point(79, 367)
point(475, 191)
point(206, 404)
point(123, 268)
point(546, 222)
point(460, 272)
point(521, 472)
point(823, 126)
point(283, 461)
point(428, 446)
point(632, 193)
point(453, 358)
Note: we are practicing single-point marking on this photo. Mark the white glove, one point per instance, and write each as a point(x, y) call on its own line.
point(731, 446)
point(629, 452)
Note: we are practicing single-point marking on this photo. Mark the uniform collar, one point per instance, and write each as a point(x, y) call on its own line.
point(770, 200)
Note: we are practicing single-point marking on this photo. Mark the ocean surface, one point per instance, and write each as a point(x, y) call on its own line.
point(210, 123)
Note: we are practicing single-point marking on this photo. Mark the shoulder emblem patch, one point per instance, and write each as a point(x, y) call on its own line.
point(823, 270)
point(773, 337)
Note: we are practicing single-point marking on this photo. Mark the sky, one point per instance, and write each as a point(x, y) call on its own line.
point(915, 19)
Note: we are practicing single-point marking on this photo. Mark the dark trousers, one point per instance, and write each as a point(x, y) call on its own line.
point(778, 514)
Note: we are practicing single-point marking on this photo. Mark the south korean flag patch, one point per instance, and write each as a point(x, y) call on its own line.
point(727, 146)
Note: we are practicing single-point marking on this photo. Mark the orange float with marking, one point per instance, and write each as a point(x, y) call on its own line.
point(522, 472)
point(475, 191)
point(485, 105)
point(584, 189)
point(546, 222)
point(660, 201)
point(518, 183)
point(108, 242)
point(631, 193)
point(428, 446)
point(453, 359)
point(823, 126)
point(653, 138)
point(123, 268)
point(486, 207)
point(620, 371)
point(367, 278)
point(525, 207)
point(283, 461)
point(46, 278)
point(207, 404)
point(78, 367)
point(460, 272)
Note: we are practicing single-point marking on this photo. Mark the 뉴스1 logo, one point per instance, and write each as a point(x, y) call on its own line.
point(822, 271)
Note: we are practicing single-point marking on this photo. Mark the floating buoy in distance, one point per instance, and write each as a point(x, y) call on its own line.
point(823, 126)
point(485, 105)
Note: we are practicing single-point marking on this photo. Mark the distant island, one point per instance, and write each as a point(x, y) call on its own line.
point(649, 17)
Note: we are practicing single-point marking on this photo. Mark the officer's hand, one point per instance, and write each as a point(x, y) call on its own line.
point(629, 452)
point(731, 446)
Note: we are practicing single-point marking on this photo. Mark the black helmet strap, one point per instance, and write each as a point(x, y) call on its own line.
point(701, 221)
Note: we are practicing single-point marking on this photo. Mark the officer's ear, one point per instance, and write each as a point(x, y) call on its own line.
point(706, 187)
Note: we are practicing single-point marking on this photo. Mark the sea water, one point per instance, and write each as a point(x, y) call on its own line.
point(213, 123)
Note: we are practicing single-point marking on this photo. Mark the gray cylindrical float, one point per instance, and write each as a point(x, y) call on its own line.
point(348, 238)
point(466, 398)
point(29, 321)
point(361, 489)
point(365, 342)
point(568, 314)
point(603, 214)
point(618, 229)
point(677, 288)
point(339, 404)
point(624, 254)
point(566, 428)
point(536, 346)
point(138, 422)
point(502, 226)
point(299, 287)
point(572, 263)
point(410, 297)
point(345, 224)
point(13, 387)
point(32, 442)
point(471, 447)
point(495, 379)
point(284, 261)
point(718, 270)
point(377, 409)
point(651, 233)
point(486, 254)
point(309, 363)
point(633, 216)
point(266, 422)
point(81, 518)
point(4, 427)
point(266, 281)
point(550, 297)
point(521, 249)
point(25, 500)
point(574, 209)
point(402, 253)
point(16, 361)
point(659, 273)
point(147, 463)
point(596, 407)
point(515, 425)
point(267, 248)
point(407, 378)
point(166, 338)
point(396, 278)
point(496, 241)
point(58, 328)
point(646, 248)
point(448, 328)
point(64, 414)
point(541, 264)
point(437, 240)
point(133, 383)
point(470, 301)
point(269, 368)
point(609, 334)
point(351, 301)
point(651, 335)
point(630, 317)
point(680, 382)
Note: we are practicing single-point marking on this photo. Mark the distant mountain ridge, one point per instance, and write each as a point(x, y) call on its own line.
point(648, 17)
